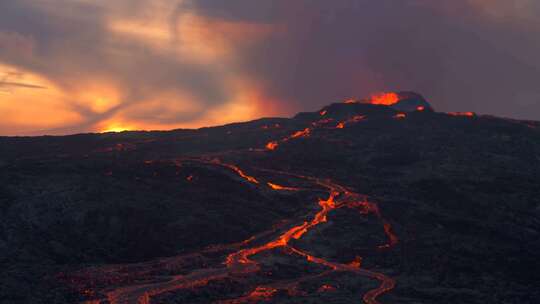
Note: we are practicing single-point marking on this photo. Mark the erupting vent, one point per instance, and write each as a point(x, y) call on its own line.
point(386, 99)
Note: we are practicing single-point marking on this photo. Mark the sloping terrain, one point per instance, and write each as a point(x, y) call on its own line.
point(356, 202)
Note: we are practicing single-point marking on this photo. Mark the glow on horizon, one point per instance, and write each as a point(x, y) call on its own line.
point(101, 100)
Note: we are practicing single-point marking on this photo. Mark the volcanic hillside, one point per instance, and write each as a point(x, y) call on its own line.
point(381, 200)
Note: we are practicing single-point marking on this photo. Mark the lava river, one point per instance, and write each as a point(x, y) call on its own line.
point(239, 262)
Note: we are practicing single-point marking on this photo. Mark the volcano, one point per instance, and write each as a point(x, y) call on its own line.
point(380, 200)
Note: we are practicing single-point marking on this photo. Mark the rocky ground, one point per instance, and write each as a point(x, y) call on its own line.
point(83, 214)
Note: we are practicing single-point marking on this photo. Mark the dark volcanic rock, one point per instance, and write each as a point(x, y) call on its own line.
point(461, 194)
point(410, 101)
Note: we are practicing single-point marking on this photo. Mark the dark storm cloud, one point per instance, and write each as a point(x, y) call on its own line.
point(463, 55)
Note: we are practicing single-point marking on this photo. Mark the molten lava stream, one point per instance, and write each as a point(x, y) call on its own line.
point(352, 120)
point(239, 262)
point(234, 168)
point(274, 144)
point(242, 257)
point(279, 187)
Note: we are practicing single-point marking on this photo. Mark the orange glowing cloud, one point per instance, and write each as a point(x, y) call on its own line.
point(98, 96)
point(247, 102)
point(30, 103)
point(162, 111)
point(104, 99)
point(199, 40)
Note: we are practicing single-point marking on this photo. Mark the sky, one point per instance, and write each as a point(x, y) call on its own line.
point(72, 66)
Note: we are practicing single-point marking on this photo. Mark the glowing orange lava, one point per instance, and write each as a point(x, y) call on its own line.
point(352, 120)
point(272, 145)
point(278, 187)
point(303, 133)
point(250, 179)
point(400, 116)
point(296, 232)
point(420, 108)
point(241, 173)
point(239, 263)
point(386, 99)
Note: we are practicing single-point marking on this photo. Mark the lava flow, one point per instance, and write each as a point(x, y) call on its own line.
point(250, 179)
point(352, 120)
point(278, 187)
point(345, 199)
point(303, 133)
point(239, 263)
point(272, 145)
